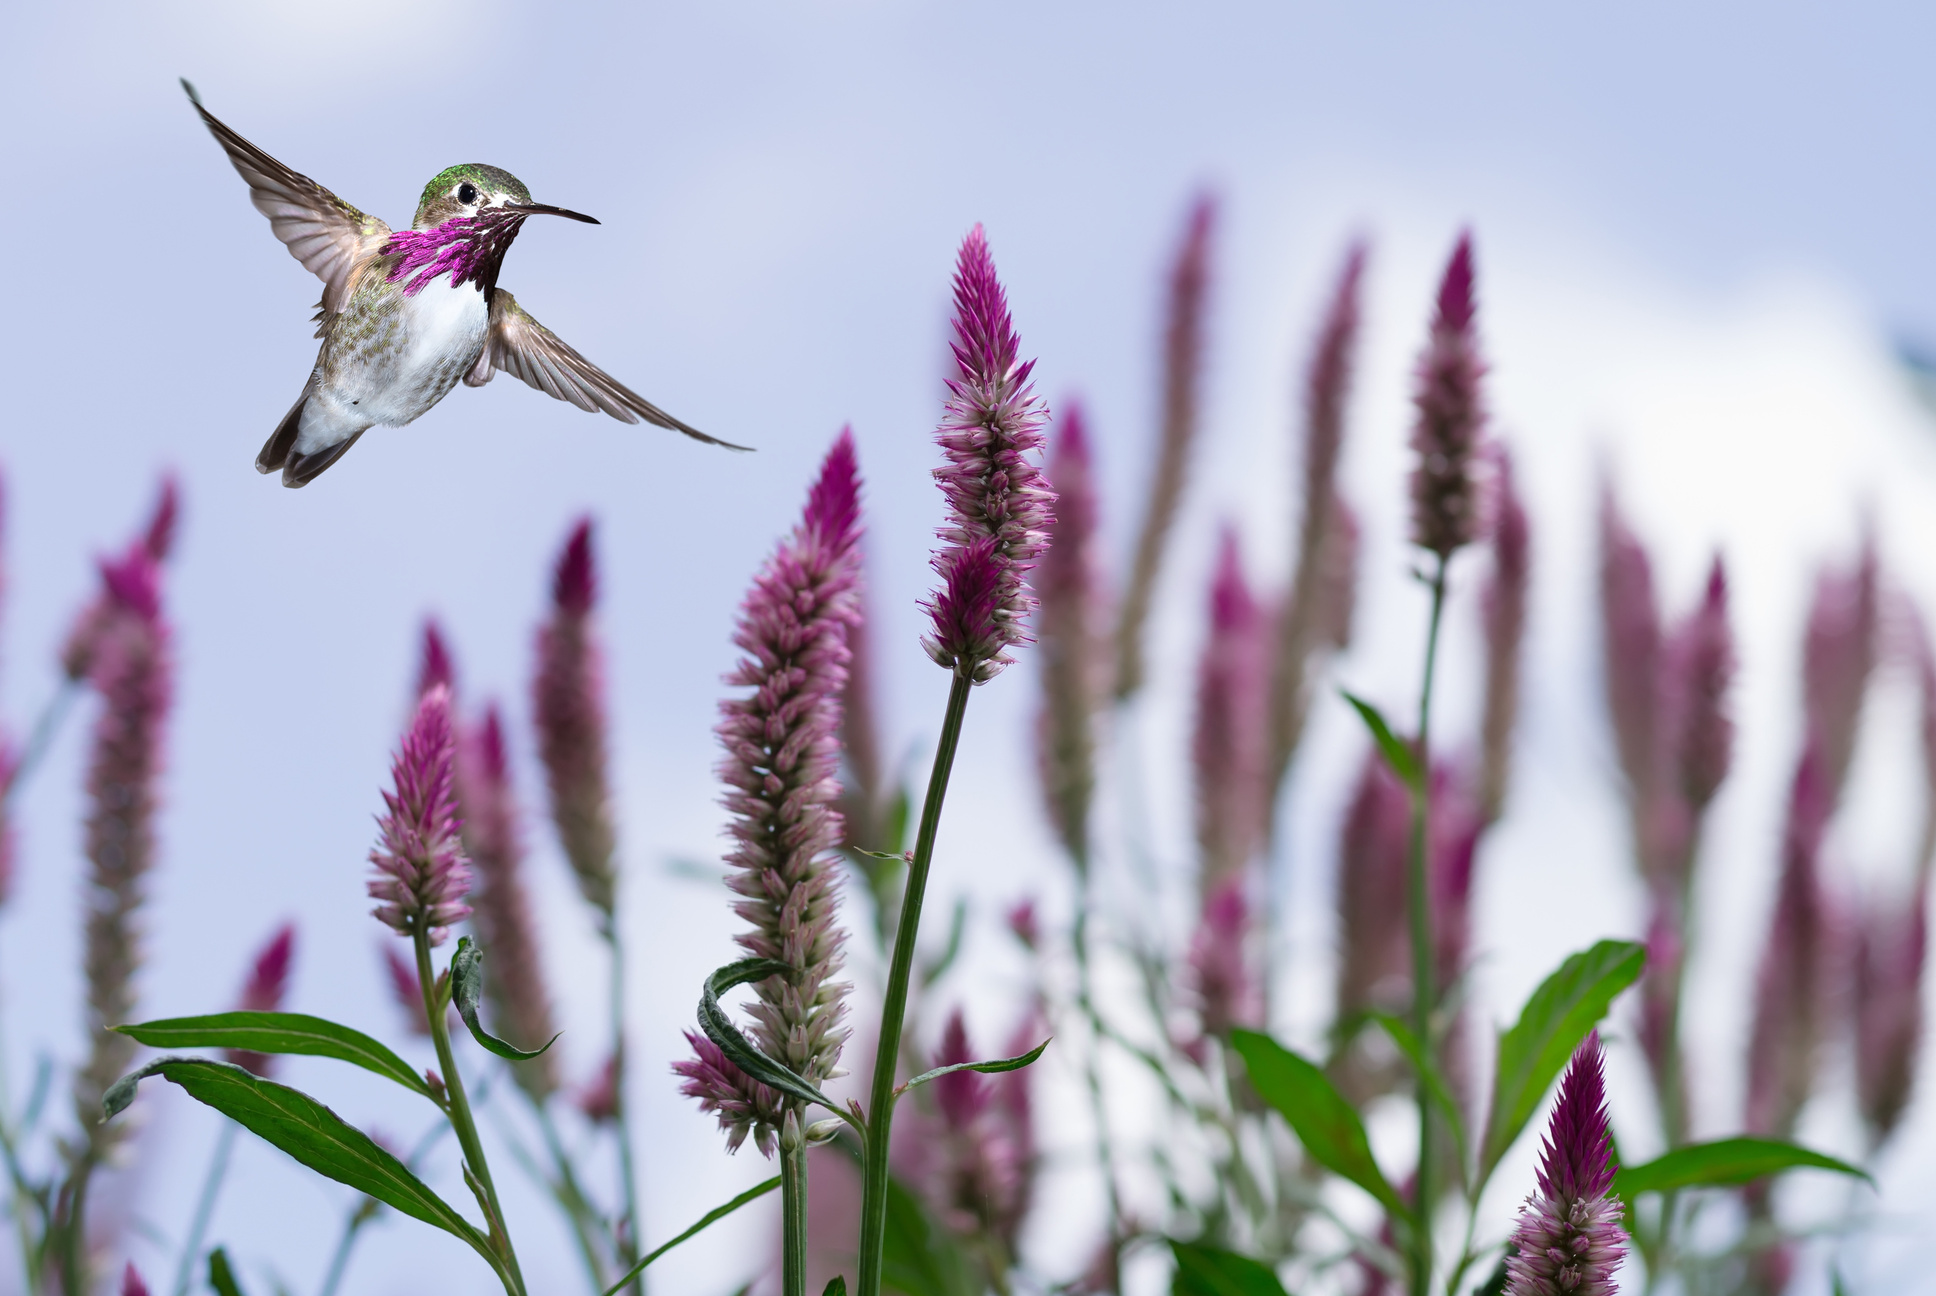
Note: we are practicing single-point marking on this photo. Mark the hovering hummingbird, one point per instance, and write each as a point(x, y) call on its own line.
point(406, 313)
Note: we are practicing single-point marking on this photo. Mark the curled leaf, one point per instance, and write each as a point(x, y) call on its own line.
point(467, 989)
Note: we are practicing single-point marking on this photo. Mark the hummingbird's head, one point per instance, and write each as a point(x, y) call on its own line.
point(473, 189)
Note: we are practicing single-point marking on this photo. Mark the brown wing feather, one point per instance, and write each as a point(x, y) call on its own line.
point(527, 350)
point(320, 230)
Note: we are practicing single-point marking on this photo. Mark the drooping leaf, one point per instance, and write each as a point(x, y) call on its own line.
point(1567, 1005)
point(1724, 1163)
point(279, 1032)
point(918, 1257)
point(1397, 752)
point(1323, 1121)
point(999, 1064)
point(1207, 1271)
point(720, 1030)
point(220, 1276)
point(1428, 1072)
point(467, 989)
point(712, 1216)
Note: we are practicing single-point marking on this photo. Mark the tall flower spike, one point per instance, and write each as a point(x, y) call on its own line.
point(155, 542)
point(1892, 945)
point(781, 742)
point(976, 1177)
point(513, 971)
point(263, 991)
point(1569, 1241)
point(1451, 416)
point(422, 875)
point(1182, 369)
point(1700, 667)
point(1505, 630)
point(568, 705)
point(1069, 632)
point(1228, 748)
point(1220, 962)
point(1838, 656)
point(434, 663)
point(998, 502)
point(863, 792)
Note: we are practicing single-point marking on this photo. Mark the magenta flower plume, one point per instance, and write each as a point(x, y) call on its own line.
point(864, 791)
point(131, 1284)
point(1838, 656)
point(976, 1177)
point(435, 665)
point(1227, 991)
point(568, 705)
point(401, 976)
point(1630, 623)
point(598, 1100)
point(741, 1104)
point(1891, 948)
point(155, 542)
point(1375, 958)
point(1069, 631)
point(1569, 1241)
point(422, 875)
point(1700, 664)
point(999, 504)
point(781, 742)
point(1228, 749)
point(1451, 416)
point(513, 970)
point(264, 990)
point(1504, 604)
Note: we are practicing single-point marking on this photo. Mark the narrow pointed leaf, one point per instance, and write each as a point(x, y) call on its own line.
point(281, 1033)
point(1207, 1271)
point(1323, 1121)
point(1567, 1005)
point(1397, 752)
point(221, 1277)
point(467, 989)
point(1724, 1163)
point(1429, 1074)
point(711, 1217)
point(720, 1030)
point(837, 1286)
point(999, 1064)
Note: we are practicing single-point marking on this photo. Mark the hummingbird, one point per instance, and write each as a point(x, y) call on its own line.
point(407, 313)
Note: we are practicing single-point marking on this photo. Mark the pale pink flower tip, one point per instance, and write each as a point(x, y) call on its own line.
point(434, 663)
point(422, 873)
point(1569, 1241)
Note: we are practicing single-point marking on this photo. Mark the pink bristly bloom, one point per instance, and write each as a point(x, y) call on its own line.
point(977, 1178)
point(1569, 1239)
point(264, 990)
point(1504, 604)
point(131, 667)
point(864, 793)
point(1892, 945)
point(1220, 962)
point(741, 1104)
point(999, 504)
point(422, 875)
point(568, 707)
point(401, 974)
point(131, 1284)
point(434, 662)
point(1630, 624)
point(155, 542)
point(1069, 631)
point(1451, 416)
point(1838, 656)
point(513, 970)
point(781, 742)
point(1700, 667)
point(1228, 748)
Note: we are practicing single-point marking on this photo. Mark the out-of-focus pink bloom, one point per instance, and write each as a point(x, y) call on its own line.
point(999, 503)
point(1182, 375)
point(1700, 667)
point(1838, 656)
point(1891, 947)
point(977, 1183)
point(1228, 749)
point(1660, 993)
point(781, 743)
point(264, 990)
point(1375, 953)
point(863, 786)
point(422, 875)
point(155, 542)
point(1455, 826)
point(1504, 605)
point(131, 1284)
point(1069, 631)
point(1569, 1241)
point(568, 707)
point(742, 1105)
point(434, 663)
point(401, 973)
point(1451, 416)
point(513, 970)
point(158, 537)
point(1227, 991)
point(1630, 622)
point(1024, 924)
point(598, 1100)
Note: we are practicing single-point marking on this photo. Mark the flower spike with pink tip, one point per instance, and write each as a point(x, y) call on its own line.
point(422, 875)
point(1569, 1241)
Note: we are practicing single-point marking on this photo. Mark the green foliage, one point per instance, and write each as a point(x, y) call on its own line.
point(221, 1278)
point(1723, 1163)
point(836, 1286)
point(280, 1033)
point(720, 1030)
point(919, 1258)
point(1206, 1271)
point(1429, 1074)
point(1324, 1122)
point(999, 1064)
point(1397, 752)
point(711, 1217)
point(467, 989)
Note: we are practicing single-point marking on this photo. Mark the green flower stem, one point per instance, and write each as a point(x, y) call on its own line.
point(793, 1206)
point(632, 1229)
point(880, 1108)
point(218, 1169)
point(1092, 1078)
point(1419, 909)
point(46, 726)
point(569, 1195)
point(461, 1121)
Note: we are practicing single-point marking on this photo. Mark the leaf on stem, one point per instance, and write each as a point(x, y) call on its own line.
point(467, 988)
point(1397, 752)
point(1429, 1074)
point(1324, 1122)
point(1724, 1163)
point(221, 1278)
point(282, 1033)
point(918, 1257)
point(1207, 1271)
point(999, 1064)
point(720, 1030)
point(1567, 1005)
point(836, 1286)
point(711, 1217)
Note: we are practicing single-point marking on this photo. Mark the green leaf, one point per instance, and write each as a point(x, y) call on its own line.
point(1324, 1122)
point(279, 1032)
point(1567, 1005)
point(892, 857)
point(720, 1030)
point(918, 1257)
point(1397, 752)
point(1724, 1163)
point(220, 1276)
point(712, 1216)
point(836, 1286)
point(467, 988)
point(933, 972)
point(1428, 1073)
point(307, 1131)
point(1206, 1271)
point(999, 1064)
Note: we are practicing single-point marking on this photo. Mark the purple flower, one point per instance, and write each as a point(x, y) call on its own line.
point(1182, 371)
point(977, 1170)
point(1375, 954)
point(568, 706)
point(131, 1284)
point(1838, 656)
point(1700, 668)
point(422, 875)
point(864, 791)
point(1228, 748)
point(401, 974)
point(1227, 991)
point(263, 991)
point(781, 741)
point(156, 542)
point(1630, 623)
point(1504, 603)
point(1451, 416)
point(1892, 944)
point(434, 663)
point(598, 1100)
point(1070, 631)
point(998, 503)
point(1569, 1241)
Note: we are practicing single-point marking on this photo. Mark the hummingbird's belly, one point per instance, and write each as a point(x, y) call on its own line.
point(402, 360)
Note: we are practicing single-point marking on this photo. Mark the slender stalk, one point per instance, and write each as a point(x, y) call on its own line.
point(218, 1169)
point(1419, 909)
point(793, 1206)
point(461, 1121)
point(632, 1227)
point(570, 1196)
point(1092, 1078)
point(880, 1108)
point(42, 737)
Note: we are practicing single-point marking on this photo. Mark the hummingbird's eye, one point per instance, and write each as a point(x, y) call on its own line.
point(467, 193)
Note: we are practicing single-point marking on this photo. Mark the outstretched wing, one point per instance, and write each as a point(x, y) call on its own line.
point(526, 349)
point(320, 230)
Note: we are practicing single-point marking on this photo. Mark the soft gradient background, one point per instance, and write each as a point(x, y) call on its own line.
point(1699, 227)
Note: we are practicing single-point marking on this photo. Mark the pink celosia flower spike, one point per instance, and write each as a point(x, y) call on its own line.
point(434, 663)
point(401, 975)
point(1220, 962)
point(1228, 748)
point(155, 542)
point(422, 875)
point(263, 991)
point(1505, 628)
point(999, 504)
point(781, 742)
point(1569, 1239)
point(1451, 416)
point(131, 1284)
point(1838, 656)
point(1701, 665)
point(1069, 631)
point(1891, 947)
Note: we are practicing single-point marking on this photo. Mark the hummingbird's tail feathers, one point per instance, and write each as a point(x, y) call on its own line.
point(276, 450)
point(301, 469)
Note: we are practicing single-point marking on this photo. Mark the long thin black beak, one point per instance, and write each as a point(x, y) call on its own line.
point(546, 209)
